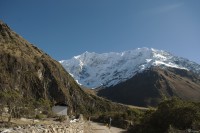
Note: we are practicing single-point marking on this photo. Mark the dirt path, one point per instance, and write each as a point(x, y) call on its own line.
point(26, 125)
point(92, 127)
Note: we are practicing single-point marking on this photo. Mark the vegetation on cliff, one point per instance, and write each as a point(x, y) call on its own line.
point(34, 75)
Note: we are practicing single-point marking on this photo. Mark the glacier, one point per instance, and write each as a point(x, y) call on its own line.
point(95, 70)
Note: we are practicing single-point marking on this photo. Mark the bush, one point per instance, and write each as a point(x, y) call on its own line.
point(179, 114)
point(51, 115)
point(121, 120)
point(61, 118)
point(40, 116)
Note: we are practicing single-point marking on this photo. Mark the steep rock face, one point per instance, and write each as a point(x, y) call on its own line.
point(27, 69)
point(152, 85)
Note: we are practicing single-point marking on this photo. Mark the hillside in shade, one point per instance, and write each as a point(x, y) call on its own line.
point(153, 85)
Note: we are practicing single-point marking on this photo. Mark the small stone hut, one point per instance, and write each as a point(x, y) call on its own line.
point(60, 109)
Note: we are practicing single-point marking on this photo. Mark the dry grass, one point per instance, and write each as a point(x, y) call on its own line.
point(90, 91)
point(26, 121)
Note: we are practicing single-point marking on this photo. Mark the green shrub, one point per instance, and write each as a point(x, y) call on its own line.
point(177, 113)
point(61, 118)
point(40, 116)
point(121, 120)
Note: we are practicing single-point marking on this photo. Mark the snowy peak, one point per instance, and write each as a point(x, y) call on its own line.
point(108, 69)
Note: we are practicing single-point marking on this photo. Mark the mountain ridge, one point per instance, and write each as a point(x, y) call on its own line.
point(108, 69)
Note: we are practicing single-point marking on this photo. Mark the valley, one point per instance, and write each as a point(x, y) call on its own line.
point(138, 91)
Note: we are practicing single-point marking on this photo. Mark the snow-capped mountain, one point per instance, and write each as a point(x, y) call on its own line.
point(108, 69)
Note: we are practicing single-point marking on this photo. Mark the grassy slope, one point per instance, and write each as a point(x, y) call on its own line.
point(34, 74)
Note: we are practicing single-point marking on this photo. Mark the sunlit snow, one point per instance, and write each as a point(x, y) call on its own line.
point(94, 70)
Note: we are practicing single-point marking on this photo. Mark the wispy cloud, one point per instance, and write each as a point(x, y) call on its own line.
point(166, 8)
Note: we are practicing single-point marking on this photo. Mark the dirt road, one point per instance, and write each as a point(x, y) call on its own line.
point(92, 127)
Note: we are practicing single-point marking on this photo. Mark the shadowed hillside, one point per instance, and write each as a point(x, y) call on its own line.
point(151, 86)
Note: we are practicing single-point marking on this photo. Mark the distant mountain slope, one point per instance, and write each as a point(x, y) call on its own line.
point(152, 85)
point(31, 72)
point(139, 77)
point(104, 70)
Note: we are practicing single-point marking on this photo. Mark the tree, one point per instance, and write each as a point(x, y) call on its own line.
point(13, 100)
point(175, 113)
point(1, 111)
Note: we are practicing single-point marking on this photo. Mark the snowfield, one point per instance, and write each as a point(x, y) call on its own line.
point(108, 69)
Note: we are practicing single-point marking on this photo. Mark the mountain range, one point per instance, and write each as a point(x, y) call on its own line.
point(140, 77)
point(108, 69)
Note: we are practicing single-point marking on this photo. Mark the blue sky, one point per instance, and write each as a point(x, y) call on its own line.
point(65, 28)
